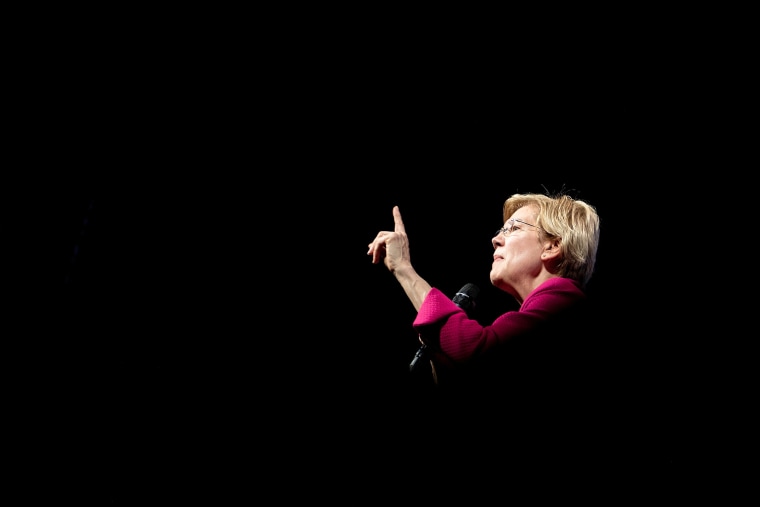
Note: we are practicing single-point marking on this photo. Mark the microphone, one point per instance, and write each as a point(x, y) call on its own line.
point(465, 298)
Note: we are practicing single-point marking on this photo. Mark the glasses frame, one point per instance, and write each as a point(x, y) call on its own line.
point(507, 229)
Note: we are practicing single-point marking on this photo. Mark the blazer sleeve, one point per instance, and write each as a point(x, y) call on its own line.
point(444, 325)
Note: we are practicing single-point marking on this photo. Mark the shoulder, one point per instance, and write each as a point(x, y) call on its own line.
point(554, 295)
point(559, 285)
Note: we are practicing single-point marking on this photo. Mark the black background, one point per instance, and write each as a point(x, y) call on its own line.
point(209, 310)
point(203, 325)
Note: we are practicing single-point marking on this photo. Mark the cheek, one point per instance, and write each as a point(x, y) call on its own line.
point(526, 261)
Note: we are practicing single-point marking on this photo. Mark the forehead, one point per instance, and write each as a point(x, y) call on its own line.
point(526, 213)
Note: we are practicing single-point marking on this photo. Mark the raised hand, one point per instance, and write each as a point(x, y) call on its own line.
point(392, 247)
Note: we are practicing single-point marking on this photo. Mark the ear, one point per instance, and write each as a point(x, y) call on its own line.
point(551, 250)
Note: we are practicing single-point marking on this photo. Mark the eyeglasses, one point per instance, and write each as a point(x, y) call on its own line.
point(510, 226)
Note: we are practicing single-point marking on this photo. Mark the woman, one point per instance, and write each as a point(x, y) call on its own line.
point(544, 257)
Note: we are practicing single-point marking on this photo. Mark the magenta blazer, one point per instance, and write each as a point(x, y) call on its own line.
point(446, 326)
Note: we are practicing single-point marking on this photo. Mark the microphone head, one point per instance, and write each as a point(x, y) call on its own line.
point(466, 296)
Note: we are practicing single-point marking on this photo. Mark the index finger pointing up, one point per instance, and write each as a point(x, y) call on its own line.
point(399, 224)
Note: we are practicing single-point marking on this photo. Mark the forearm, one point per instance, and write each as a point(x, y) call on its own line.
point(415, 287)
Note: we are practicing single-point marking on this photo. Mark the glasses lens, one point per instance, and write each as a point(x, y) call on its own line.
point(505, 230)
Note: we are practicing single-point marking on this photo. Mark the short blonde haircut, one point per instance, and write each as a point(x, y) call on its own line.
point(575, 223)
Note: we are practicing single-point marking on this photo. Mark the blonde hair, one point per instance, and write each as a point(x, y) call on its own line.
point(574, 222)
